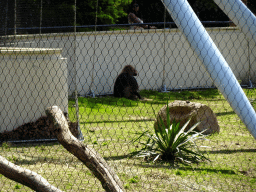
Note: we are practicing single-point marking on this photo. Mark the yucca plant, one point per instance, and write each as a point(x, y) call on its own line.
point(172, 143)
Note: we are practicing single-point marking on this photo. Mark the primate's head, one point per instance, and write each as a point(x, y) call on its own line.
point(130, 70)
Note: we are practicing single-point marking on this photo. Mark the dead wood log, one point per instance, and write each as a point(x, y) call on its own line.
point(98, 166)
point(25, 177)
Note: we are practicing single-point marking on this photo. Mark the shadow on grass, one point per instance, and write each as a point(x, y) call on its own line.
point(226, 151)
point(186, 168)
point(36, 160)
point(225, 113)
point(154, 96)
point(182, 94)
point(166, 166)
point(21, 144)
point(116, 158)
point(222, 171)
point(97, 102)
point(115, 121)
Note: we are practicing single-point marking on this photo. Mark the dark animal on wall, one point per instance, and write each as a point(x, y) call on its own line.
point(126, 85)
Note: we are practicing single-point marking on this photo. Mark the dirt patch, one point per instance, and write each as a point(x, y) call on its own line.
point(40, 129)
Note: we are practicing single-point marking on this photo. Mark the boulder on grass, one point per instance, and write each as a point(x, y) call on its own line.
point(182, 111)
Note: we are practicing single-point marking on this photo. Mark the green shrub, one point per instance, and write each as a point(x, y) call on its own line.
point(171, 143)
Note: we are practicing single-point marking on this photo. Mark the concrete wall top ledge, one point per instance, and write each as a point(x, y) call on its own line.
point(171, 30)
point(26, 51)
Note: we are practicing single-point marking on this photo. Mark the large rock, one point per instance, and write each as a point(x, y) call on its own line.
point(181, 111)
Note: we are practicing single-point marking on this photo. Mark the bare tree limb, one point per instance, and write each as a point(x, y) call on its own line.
point(99, 167)
point(25, 177)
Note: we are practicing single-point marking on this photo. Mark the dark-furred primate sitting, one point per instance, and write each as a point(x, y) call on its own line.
point(126, 85)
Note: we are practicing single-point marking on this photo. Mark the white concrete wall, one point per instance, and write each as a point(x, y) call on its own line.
point(161, 57)
point(31, 80)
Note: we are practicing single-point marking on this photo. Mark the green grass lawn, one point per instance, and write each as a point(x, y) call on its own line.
point(110, 124)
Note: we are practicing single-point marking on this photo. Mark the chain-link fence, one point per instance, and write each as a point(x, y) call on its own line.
point(70, 53)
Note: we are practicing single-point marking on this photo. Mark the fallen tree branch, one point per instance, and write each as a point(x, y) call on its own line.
point(25, 177)
point(99, 167)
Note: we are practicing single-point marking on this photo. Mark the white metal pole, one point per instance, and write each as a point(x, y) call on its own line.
point(213, 61)
point(238, 12)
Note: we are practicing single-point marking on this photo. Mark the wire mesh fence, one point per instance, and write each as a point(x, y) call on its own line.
point(78, 55)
